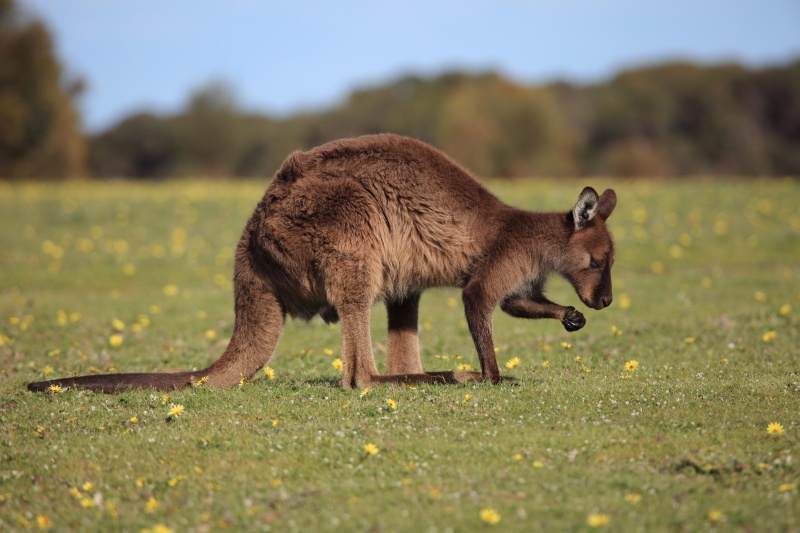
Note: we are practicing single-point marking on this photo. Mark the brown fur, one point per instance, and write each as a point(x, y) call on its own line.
point(382, 218)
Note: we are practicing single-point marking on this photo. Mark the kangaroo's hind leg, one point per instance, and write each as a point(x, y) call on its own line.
point(351, 291)
point(402, 350)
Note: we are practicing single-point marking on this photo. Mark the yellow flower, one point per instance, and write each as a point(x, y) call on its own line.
point(768, 336)
point(275, 422)
point(775, 428)
point(586, 368)
point(87, 486)
point(165, 399)
point(518, 457)
point(760, 296)
point(170, 290)
point(177, 479)
point(115, 340)
point(43, 522)
point(200, 382)
point(328, 352)
point(631, 365)
point(785, 309)
point(158, 528)
point(546, 364)
point(176, 410)
point(566, 345)
point(365, 392)
point(151, 505)
point(624, 301)
point(337, 364)
point(371, 449)
point(715, 515)
point(243, 381)
point(490, 516)
point(787, 487)
point(467, 397)
point(513, 363)
point(140, 482)
point(118, 324)
point(391, 403)
point(211, 334)
point(269, 372)
point(346, 405)
point(616, 331)
point(577, 359)
point(134, 419)
point(87, 502)
point(464, 366)
point(598, 520)
point(55, 388)
point(689, 340)
point(633, 498)
point(625, 376)
point(538, 464)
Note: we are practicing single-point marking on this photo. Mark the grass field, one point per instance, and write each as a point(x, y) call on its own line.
point(100, 277)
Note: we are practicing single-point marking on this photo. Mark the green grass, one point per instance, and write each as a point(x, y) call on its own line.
point(715, 262)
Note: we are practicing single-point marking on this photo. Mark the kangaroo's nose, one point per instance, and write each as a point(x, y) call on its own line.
point(607, 300)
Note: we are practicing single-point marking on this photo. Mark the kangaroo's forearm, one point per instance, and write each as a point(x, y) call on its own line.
point(525, 307)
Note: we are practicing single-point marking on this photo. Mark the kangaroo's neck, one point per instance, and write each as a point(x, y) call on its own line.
point(543, 237)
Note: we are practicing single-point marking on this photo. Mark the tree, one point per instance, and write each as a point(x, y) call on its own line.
point(39, 127)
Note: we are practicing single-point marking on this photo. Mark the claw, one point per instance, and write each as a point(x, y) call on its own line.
point(573, 320)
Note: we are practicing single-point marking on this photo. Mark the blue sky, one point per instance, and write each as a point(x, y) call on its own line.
point(284, 56)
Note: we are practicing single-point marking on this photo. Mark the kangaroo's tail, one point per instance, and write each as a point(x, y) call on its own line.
point(258, 326)
point(111, 383)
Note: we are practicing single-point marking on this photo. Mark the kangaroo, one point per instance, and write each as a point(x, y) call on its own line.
point(382, 218)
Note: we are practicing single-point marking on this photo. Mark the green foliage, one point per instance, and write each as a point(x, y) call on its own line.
point(706, 301)
point(670, 120)
point(40, 133)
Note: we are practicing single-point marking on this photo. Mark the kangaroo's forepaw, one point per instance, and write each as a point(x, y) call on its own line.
point(573, 320)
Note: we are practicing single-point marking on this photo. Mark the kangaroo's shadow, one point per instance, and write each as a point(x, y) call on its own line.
point(449, 377)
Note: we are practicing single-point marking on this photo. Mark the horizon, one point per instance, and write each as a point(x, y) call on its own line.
point(146, 56)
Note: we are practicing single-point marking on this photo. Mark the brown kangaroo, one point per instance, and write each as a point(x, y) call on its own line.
point(382, 218)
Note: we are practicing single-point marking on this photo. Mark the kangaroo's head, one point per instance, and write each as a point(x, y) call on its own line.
point(590, 250)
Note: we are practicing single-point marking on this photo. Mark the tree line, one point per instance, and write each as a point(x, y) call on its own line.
point(666, 120)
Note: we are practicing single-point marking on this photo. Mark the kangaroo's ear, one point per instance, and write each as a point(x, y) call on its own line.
point(608, 201)
point(585, 208)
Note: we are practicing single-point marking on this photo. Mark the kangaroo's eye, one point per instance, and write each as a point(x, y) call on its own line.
point(593, 263)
